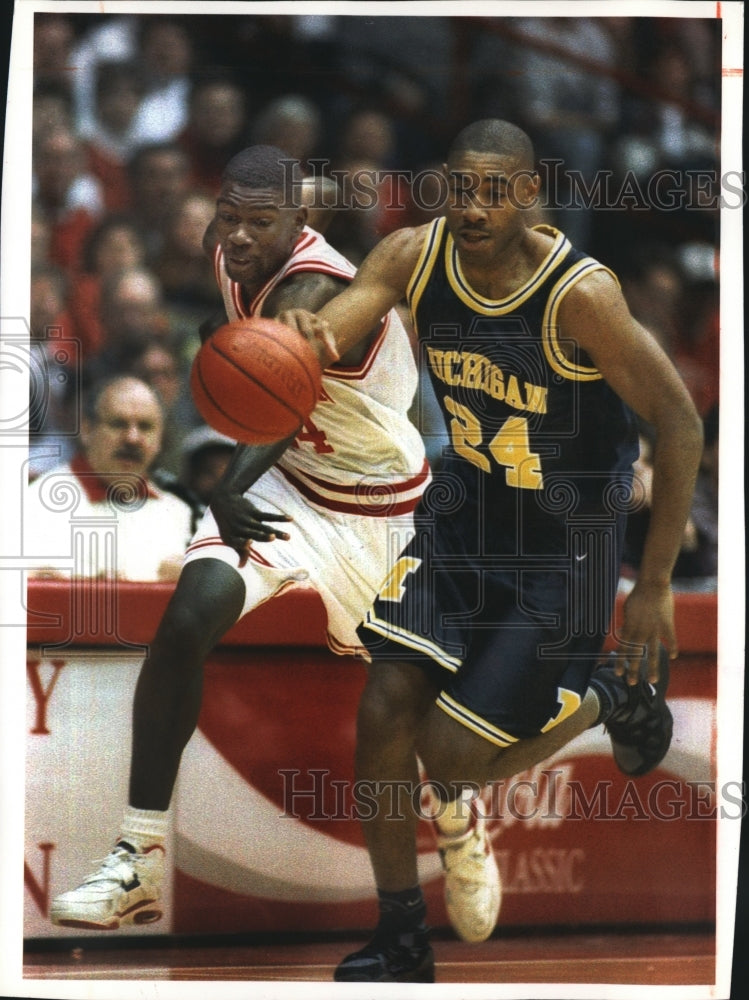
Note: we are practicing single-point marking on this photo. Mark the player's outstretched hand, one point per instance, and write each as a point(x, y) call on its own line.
point(315, 330)
point(240, 522)
point(648, 622)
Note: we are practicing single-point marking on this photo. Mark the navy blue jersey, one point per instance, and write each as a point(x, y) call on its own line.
point(538, 439)
point(504, 595)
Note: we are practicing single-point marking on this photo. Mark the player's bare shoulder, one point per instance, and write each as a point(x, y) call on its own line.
point(396, 255)
point(594, 300)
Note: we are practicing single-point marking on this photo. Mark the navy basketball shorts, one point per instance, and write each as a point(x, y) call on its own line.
point(511, 642)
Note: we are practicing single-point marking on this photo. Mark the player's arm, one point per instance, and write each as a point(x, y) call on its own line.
point(239, 521)
point(639, 371)
point(380, 283)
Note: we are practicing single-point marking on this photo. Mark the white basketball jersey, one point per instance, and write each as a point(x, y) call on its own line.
point(358, 451)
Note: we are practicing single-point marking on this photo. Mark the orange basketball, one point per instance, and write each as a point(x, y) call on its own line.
point(255, 380)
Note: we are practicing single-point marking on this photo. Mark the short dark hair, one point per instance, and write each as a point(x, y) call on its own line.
point(142, 153)
point(265, 167)
point(98, 234)
point(493, 135)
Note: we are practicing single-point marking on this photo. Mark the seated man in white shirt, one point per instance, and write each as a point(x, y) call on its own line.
point(100, 515)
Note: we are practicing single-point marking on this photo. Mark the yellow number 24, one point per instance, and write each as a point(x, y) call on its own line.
point(510, 446)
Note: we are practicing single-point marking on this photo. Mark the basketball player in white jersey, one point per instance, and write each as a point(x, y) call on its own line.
point(348, 480)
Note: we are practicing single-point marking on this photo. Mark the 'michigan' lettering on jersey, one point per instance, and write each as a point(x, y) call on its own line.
point(471, 370)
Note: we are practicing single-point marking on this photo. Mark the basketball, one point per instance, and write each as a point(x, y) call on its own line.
point(255, 380)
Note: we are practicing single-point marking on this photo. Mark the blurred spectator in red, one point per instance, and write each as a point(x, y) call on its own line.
point(131, 314)
point(106, 39)
point(51, 107)
point(110, 138)
point(165, 53)
point(215, 130)
point(48, 300)
point(367, 134)
point(654, 287)
point(679, 306)
point(54, 37)
point(697, 352)
point(41, 237)
point(127, 527)
point(370, 193)
point(113, 245)
point(293, 123)
point(186, 274)
point(159, 177)
point(159, 364)
point(53, 370)
point(70, 198)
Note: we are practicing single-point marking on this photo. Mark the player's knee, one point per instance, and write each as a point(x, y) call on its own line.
point(391, 703)
point(179, 629)
point(454, 756)
point(207, 602)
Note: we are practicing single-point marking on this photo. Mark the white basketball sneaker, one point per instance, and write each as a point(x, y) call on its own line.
point(124, 889)
point(472, 887)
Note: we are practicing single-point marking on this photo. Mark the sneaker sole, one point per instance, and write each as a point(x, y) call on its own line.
point(423, 973)
point(144, 913)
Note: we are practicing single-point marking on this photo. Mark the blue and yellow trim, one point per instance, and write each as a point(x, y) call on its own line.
point(474, 722)
point(418, 643)
point(425, 264)
point(499, 307)
point(555, 356)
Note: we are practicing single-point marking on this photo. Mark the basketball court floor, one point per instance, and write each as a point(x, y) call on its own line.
point(648, 957)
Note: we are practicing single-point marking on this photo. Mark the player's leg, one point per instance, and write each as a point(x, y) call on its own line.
point(463, 748)
point(391, 710)
point(125, 888)
point(207, 601)
point(638, 715)
point(473, 761)
point(402, 684)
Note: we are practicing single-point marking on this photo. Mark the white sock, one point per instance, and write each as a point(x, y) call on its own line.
point(453, 818)
point(143, 828)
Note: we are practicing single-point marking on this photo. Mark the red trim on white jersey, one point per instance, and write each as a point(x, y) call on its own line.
point(376, 498)
point(351, 373)
point(318, 264)
point(373, 394)
point(344, 650)
point(297, 263)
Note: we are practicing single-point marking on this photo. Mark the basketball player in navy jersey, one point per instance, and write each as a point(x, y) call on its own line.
point(485, 638)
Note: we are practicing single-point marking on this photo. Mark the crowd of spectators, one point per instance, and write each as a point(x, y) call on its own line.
point(134, 117)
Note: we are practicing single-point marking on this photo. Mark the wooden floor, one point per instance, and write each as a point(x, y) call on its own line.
point(617, 958)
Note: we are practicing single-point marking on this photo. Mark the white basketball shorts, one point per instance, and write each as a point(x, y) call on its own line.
point(344, 557)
